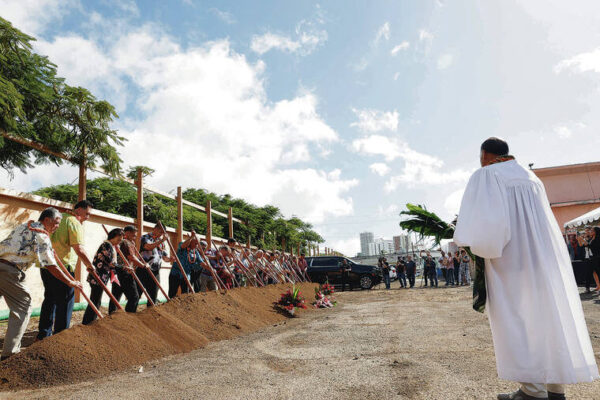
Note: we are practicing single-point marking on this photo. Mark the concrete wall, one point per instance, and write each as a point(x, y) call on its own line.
point(17, 208)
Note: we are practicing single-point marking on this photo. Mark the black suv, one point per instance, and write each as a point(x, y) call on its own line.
point(327, 268)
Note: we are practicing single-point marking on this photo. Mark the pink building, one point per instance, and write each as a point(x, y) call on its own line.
point(573, 190)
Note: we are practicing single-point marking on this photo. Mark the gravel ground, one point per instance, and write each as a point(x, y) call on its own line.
point(398, 344)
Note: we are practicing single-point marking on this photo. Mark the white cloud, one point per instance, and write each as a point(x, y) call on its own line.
point(563, 132)
point(128, 6)
point(425, 41)
point(452, 202)
point(444, 61)
point(396, 76)
point(584, 62)
point(398, 48)
point(203, 119)
point(375, 145)
point(390, 211)
point(370, 120)
point(309, 36)
point(224, 16)
point(383, 32)
point(268, 41)
point(380, 169)
point(33, 16)
point(418, 169)
point(348, 247)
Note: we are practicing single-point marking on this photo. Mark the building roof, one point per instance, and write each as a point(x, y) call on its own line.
point(567, 169)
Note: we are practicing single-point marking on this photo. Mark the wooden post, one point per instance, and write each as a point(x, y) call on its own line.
point(230, 221)
point(179, 215)
point(283, 245)
point(82, 196)
point(298, 248)
point(248, 244)
point(318, 250)
point(208, 223)
point(140, 206)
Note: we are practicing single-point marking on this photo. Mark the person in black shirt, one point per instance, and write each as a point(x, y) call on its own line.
point(429, 271)
point(385, 270)
point(345, 273)
point(456, 262)
point(401, 272)
point(411, 269)
point(593, 244)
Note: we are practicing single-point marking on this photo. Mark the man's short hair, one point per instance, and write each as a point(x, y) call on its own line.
point(231, 240)
point(495, 146)
point(130, 228)
point(83, 204)
point(49, 212)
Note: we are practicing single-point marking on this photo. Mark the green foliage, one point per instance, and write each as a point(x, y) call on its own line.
point(426, 223)
point(265, 225)
point(132, 171)
point(37, 105)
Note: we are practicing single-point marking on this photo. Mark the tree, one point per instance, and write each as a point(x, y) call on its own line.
point(264, 225)
point(38, 106)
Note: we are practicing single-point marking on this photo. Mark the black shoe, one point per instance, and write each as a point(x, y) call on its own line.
point(519, 395)
point(556, 396)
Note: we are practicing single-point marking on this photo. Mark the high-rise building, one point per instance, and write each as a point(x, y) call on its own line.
point(402, 243)
point(397, 243)
point(365, 239)
point(381, 246)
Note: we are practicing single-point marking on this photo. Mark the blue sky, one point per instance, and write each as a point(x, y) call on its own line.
point(339, 112)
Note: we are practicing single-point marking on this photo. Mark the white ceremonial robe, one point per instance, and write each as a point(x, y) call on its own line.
point(534, 309)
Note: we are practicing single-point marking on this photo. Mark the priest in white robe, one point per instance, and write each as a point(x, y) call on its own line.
point(538, 327)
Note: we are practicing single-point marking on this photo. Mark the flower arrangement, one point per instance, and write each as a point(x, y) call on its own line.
point(291, 300)
point(322, 301)
point(327, 289)
point(324, 296)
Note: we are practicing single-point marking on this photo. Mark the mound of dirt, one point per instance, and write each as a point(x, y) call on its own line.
point(124, 340)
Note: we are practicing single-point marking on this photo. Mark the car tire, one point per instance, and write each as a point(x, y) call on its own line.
point(366, 282)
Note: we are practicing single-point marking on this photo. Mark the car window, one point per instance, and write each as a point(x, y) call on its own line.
point(324, 262)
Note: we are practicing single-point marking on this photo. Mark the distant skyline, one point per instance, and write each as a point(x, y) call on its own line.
point(338, 112)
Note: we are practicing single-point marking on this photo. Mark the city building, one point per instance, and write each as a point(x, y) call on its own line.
point(402, 243)
point(365, 239)
point(381, 246)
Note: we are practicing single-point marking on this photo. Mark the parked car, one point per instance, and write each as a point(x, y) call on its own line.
point(327, 269)
point(393, 274)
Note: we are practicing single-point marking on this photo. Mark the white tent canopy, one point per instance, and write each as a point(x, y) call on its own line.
point(585, 219)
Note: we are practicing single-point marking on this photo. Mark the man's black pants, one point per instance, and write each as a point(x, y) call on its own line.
point(346, 281)
point(411, 279)
point(149, 284)
point(195, 280)
point(176, 282)
point(129, 288)
point(96, 298)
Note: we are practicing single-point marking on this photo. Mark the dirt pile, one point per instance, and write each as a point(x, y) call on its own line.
point(124, 340)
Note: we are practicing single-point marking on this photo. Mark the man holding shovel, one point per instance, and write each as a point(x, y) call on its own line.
point(27, 244)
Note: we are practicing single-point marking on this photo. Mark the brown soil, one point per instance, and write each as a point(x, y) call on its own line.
point(124, 340)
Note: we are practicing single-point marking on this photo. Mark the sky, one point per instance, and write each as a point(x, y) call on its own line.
point(338, 112)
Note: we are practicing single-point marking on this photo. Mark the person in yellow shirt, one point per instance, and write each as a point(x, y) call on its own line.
point(59, 298)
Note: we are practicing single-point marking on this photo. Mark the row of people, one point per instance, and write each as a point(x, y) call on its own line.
point(455, 269)
point(195, 267)
point(54, 243)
